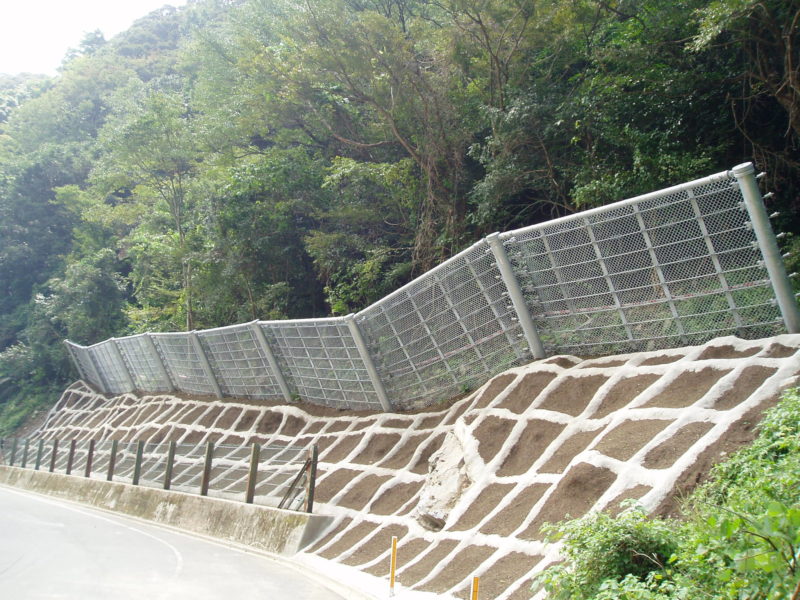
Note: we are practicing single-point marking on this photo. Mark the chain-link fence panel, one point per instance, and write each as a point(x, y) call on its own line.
point(668, 270)
point(321, 362)
point(239, 362)
point(446, 331)
point(145, 364)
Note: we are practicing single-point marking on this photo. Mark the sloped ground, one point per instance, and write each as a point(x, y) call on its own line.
point(467, 488)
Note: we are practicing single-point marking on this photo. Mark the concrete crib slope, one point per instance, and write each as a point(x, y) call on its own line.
point(467, 488)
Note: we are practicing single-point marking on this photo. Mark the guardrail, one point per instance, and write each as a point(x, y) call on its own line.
point(675, 267)
point(273, 475)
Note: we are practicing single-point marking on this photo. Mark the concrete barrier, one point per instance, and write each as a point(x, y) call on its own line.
point(260, 527)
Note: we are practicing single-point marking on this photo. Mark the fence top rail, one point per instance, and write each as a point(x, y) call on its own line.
point(689, 185)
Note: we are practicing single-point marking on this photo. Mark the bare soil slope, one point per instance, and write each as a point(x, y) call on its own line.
point(467, 488)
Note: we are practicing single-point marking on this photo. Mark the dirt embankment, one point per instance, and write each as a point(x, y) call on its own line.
point(467, 488)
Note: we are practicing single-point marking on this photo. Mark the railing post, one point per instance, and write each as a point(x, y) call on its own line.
point(137, 463)
point(14, 443)
point(363, 352)
point(112, 460)
point(168, 466)
point(201, 356)
point(39, 452)
point(71, 455)
point(252, 477)
point(261, 339)
point(773, 261)
point(311, 478)
point(53, 455)
point(123, 366)
point(206, 478)
point(515, 294)
point(25, 453)
point(89, 459)
point(151, 348)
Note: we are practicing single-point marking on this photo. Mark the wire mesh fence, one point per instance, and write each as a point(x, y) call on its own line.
point(273, 475)
point(671, 268)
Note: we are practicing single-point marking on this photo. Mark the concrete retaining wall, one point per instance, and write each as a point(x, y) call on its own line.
point(260, 527)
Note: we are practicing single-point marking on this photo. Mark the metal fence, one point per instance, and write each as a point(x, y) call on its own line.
point(274, 475)
point(675, 267)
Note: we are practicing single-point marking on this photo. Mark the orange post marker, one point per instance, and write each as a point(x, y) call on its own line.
point(393, 567)
point(475, 585)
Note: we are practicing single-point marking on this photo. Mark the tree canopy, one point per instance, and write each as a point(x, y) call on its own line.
point(249, 159)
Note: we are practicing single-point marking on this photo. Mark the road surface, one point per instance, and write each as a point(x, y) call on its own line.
point(51, 549)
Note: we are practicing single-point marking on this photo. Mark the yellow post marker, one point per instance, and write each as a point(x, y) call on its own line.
point(475, 585)
point(393, 567)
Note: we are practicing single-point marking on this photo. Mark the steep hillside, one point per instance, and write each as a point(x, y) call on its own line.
point(467, 488)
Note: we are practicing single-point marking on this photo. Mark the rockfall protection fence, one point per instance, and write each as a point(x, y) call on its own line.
point(273, 475)
point(675, 267)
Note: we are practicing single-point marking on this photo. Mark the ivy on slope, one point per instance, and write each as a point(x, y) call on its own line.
point(739, 539)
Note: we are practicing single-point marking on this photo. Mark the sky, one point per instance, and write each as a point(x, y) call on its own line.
point(36, 34)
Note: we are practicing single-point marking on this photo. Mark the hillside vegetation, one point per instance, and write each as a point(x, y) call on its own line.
point(739, 536)
point(243, 159)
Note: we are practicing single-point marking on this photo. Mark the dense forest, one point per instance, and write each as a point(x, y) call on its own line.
point(235, 160)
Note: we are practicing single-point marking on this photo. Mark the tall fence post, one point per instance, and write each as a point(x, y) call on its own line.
point(258, 333)
point(123, 366)
point(71, 456)
point(53, 455)
point(89, 459)
point(206, 478)
point(14, 443)
point(169, 465)
point(773, 261)
point(311, 478)
point(137, 463)
point(39, 453)
point(515, 294)
point(363, 352)
point(159, 363)
point(112, 460)
point(25, 453)
point(201, 355)
point(252, 477)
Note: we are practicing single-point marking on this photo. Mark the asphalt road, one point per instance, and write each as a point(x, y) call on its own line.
point(50, 549)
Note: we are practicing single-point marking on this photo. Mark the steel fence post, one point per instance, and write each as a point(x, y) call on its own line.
point(207, 463)
point(168, 466)
point(53, 455)
point(773, 261)
point(14, 443)
point(115, 351)
point(39, 453)
point(201, 355)
point(137, 463)
point(261, 339)
point(89, 459)
point(71, 455)
point(25, 453)
point(112, 460)
point(151, 347)
point(363, 352)
point(515, 294)
point(252, 477)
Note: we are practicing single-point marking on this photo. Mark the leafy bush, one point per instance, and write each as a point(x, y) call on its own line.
point(740, 539)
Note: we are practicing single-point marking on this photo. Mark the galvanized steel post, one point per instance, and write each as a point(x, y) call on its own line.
point(515, 294)
point(201, 356)
point(773, 261)
point(258, 333)
point(374, 377)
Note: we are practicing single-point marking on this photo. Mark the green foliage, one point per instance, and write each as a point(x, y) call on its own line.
point(740, 538)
